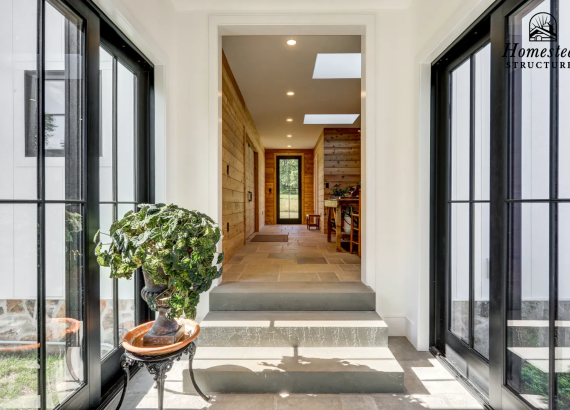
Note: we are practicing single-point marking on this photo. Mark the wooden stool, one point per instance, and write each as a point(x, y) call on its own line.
point(313, 220)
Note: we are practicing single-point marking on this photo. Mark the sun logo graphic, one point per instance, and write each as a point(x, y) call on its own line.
point(542, 27)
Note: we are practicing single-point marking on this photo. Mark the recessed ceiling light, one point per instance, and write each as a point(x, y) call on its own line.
point(288, 146)
point(338, 65)
point(290, 93)
point(289, 119)
point(330, 118)
point(291, 42)
point(289, 136)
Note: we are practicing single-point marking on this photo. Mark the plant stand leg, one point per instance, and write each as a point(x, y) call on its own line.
point(191, 354)
point(125, 364)
point(160, 378)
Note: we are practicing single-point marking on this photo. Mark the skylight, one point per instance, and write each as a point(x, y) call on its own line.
point(330, 118)
point(338, 65)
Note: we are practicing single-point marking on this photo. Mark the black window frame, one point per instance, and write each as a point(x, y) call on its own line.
point(100, 383)
point(280, 220)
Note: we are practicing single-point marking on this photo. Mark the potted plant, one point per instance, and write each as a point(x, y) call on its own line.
point(176, 249)
point(339, 193)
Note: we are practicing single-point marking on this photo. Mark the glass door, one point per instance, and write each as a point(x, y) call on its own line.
point(289, 190)
point(464, 223)
point(537, 367)
point(52, 333)
point(500, 219)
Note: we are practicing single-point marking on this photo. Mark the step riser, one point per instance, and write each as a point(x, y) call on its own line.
point(293, 337)
point(292, 302)
point(294, 382)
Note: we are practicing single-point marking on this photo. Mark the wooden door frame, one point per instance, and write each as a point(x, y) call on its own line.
point(246, 141)
point(275, 186)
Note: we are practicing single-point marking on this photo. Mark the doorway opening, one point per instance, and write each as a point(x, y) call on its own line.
point(308, 167)
point(289, 194)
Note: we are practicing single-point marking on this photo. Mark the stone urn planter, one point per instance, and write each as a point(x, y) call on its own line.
point(164, 331)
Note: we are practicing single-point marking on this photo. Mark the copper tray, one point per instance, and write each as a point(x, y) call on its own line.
point(132, 341)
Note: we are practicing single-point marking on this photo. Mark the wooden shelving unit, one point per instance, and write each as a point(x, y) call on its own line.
point(353, 229)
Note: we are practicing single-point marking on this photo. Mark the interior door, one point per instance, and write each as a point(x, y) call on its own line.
point(289, 189)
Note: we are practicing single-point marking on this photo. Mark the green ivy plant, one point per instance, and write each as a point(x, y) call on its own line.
point(173, 245)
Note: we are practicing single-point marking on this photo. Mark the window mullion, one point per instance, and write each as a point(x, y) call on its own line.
point(115, 195)
point(471, 198)
point(41, 285)
point(553, 218)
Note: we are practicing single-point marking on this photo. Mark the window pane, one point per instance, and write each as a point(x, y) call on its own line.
point(64, 300)
point(107, 308)
point(64, 106)
point(126, 292)
point(106, 127)
point(18, 308)
point(460, 270)
point(482, 121)
point(481, 278)
point(528, 302)
point(125, 133)
point(460, 130)
point(55, 97)
point(530, 112)
point(18, 99)
point(563, 319)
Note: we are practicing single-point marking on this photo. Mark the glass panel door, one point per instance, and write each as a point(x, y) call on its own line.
point(289, 192)
point(467, 332)
point(117, 189)
point(43, 209)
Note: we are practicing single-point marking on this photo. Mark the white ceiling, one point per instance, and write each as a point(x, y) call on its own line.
point(290, 5)
point(265, 68)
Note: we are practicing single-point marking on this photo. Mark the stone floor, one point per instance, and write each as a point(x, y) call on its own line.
point(428, 386)
point(306, 257)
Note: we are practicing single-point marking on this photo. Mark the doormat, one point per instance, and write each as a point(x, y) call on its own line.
point(270, 238)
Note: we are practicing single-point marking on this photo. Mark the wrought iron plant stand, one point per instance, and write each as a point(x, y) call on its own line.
point(158, 366)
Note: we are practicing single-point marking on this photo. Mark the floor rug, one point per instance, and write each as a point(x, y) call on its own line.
point(270, 238)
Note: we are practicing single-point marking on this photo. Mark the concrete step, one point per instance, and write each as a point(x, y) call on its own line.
point(535, 333)
point(316, 370)
point(292, 329)
point(292, 296)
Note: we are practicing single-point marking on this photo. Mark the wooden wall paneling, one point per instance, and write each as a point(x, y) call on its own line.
point(236, 123)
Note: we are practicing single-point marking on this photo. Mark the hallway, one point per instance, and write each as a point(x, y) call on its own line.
point(306, 257)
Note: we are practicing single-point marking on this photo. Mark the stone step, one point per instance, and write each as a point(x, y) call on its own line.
point(535, 333)
point(292, 296)
point(538, 357)
point(292, 329)
point(304, 370)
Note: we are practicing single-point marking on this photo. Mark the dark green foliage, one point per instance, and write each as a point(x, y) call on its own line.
point(339, 192)
point(173, 245)
point(535, 381)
